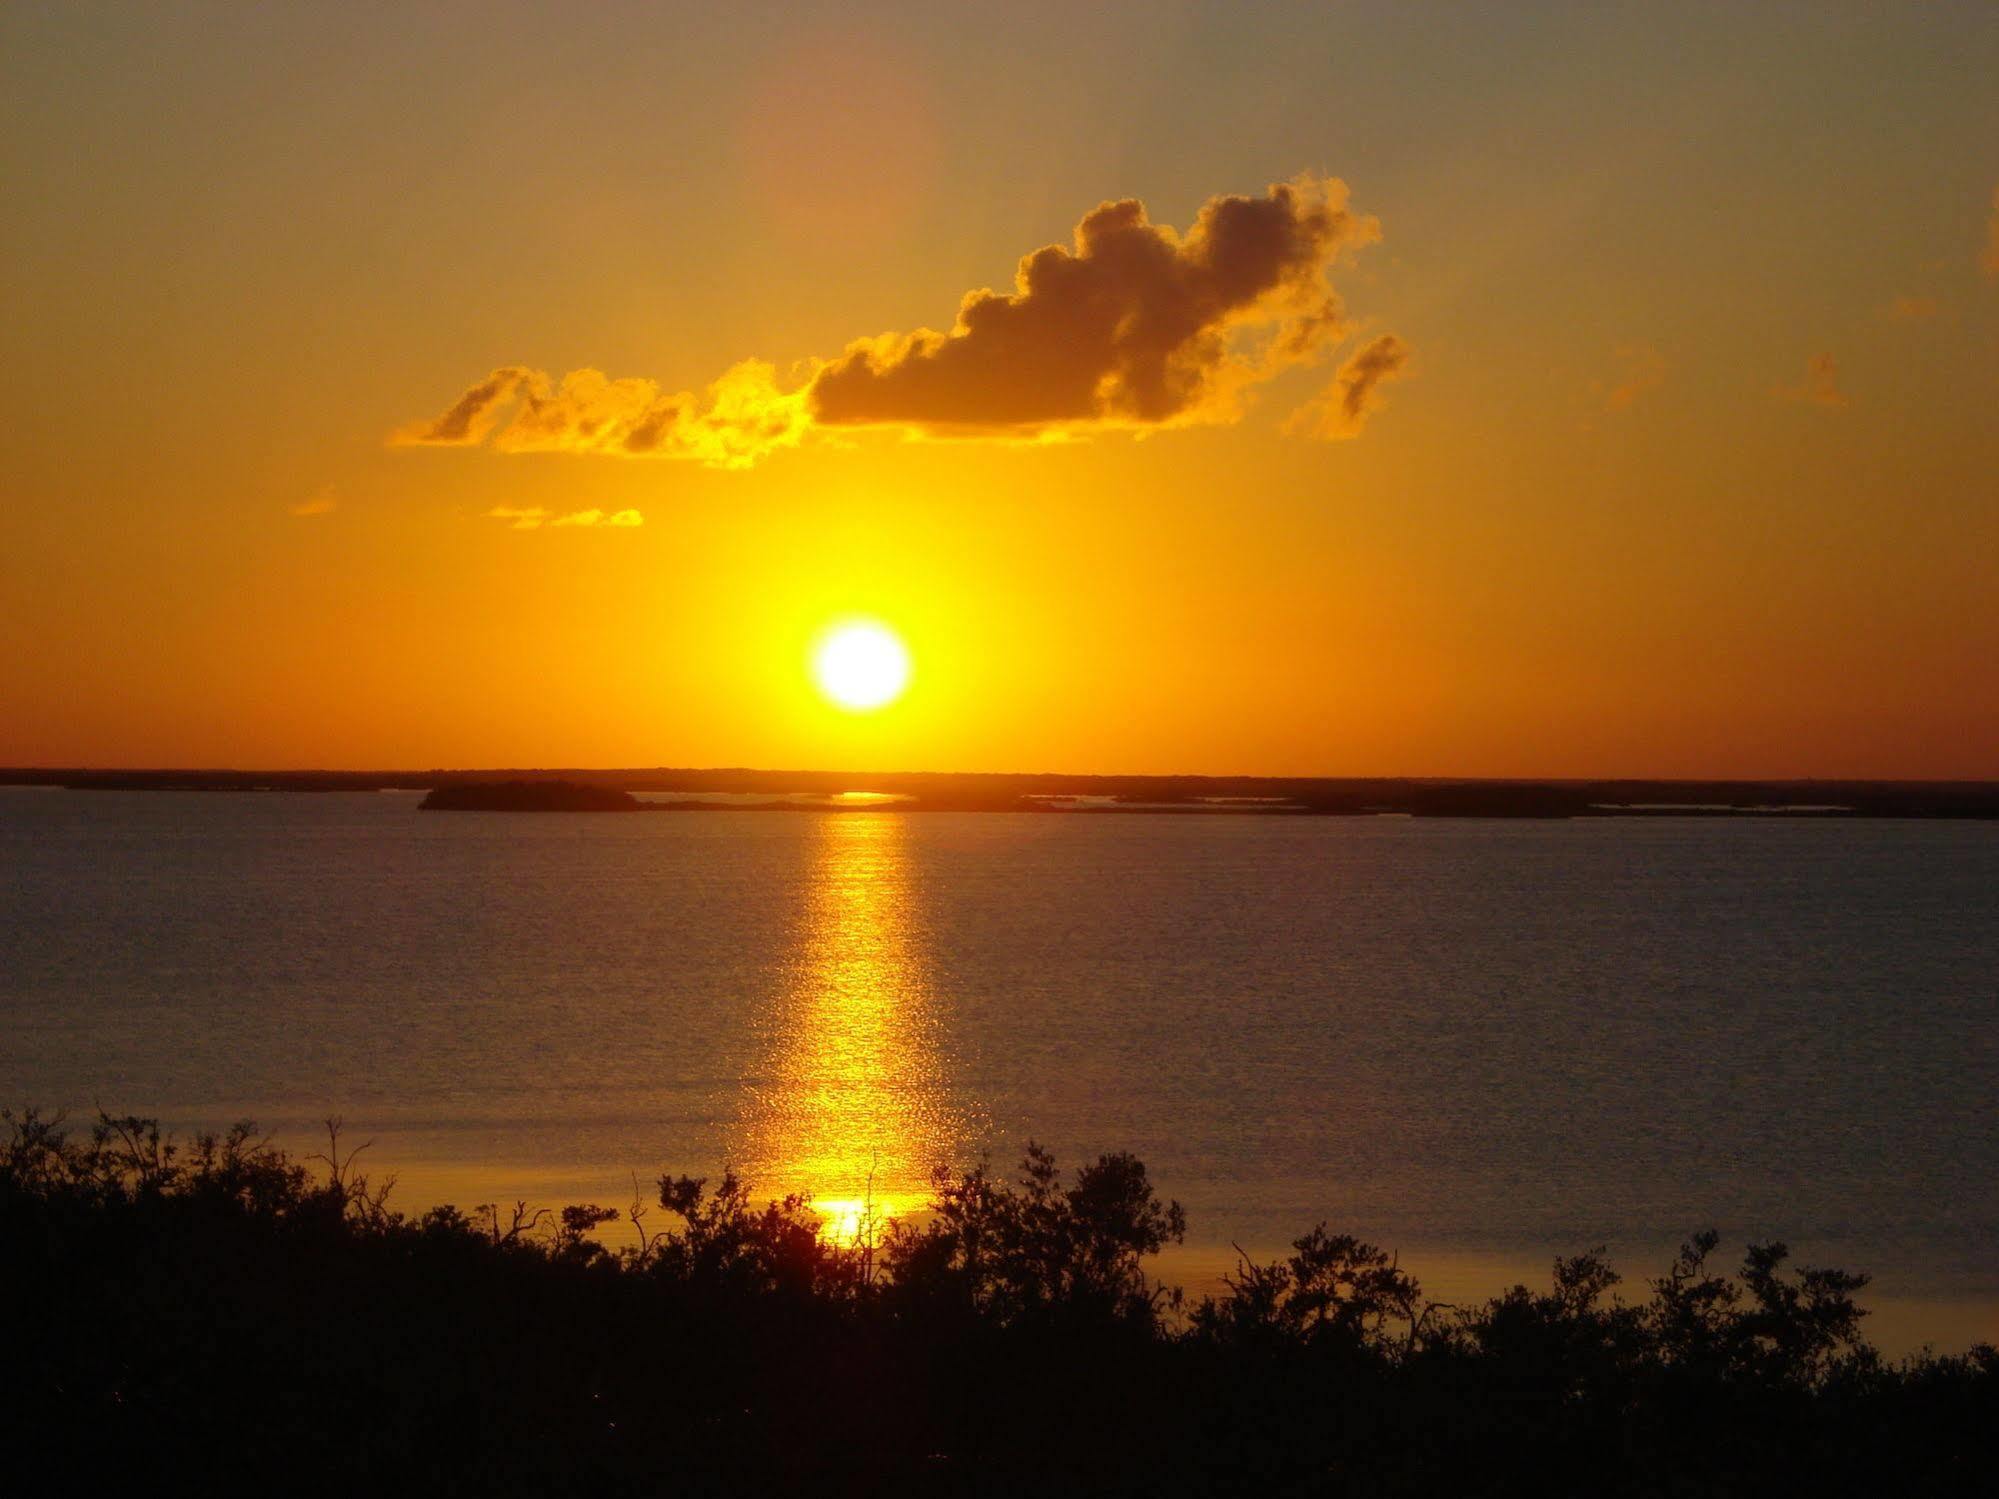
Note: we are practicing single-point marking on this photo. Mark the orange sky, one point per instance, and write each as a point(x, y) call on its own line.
point(1611, 394)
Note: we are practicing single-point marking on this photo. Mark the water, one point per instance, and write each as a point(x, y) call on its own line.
point(1482, 1042)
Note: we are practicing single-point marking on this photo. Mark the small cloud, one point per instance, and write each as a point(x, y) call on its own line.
point(1643, 370)
point(533, 518)
point(1912, 309)
point(322, 503)
point(523, 520)
point(1989, 261)
point(1342, 408)
point(1820, 387)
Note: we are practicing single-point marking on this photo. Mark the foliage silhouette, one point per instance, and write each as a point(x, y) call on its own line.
point(223, 1311)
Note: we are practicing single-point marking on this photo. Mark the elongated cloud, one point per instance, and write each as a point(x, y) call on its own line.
point(534, 517)
point(527, 518)
point(1133, 326)
point(744, 417)
point(1342, 409)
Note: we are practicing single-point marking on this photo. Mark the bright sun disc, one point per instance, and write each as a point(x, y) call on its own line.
point(861, 666)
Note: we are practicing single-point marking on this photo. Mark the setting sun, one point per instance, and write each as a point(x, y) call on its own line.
point(861, 666)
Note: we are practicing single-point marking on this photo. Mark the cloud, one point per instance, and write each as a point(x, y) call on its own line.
point(1132, 326)
point(523, 520)
point(1644, 370)
point(534, 517)
point(743, 417)
point(1342, 408)
point(1906, 309)
point(1820, 387)
point(1988, 262)
point(472, 415)
point(323, 502)
point(1136, 326)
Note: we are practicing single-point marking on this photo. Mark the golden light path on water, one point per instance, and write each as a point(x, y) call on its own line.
point(850, 1103)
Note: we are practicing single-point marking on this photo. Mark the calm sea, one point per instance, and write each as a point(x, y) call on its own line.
point(1484, 1043)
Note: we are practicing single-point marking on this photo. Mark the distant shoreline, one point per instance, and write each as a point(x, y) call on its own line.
point(1256, 796)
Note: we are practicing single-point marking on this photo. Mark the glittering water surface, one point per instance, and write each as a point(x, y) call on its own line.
point(850, 1100)
point(1483, 1042)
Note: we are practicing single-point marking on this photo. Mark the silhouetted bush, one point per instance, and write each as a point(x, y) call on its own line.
point(221, 1316)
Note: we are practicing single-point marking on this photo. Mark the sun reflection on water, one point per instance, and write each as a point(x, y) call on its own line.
point(851, 1104)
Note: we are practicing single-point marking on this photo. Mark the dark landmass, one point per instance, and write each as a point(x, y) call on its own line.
point(1253, 796)
point(528, 796)
point(222, 1310)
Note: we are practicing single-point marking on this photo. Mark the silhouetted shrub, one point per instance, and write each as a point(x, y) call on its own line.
point(223, 1316)
point(1032, 1251)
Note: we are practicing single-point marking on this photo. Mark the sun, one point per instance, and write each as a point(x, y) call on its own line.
point(861, 665)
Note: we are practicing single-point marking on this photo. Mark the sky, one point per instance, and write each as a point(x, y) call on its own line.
point(1540, 389)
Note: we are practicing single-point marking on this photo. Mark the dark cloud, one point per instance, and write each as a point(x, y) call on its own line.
point(1134, 326)
point(471, 416)
point(1342, 409)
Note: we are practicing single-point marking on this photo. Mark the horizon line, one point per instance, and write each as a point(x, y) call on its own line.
point(42, 774)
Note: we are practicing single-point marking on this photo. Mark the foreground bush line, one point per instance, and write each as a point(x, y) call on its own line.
point(224, 1314)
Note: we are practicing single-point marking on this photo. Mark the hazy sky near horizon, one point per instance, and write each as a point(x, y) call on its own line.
point(1656, 431)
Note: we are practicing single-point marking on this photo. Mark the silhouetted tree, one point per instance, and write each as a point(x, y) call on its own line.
point(221, 1309)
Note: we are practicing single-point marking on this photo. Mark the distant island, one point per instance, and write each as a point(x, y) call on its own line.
point(668, 789)
point(528, 796)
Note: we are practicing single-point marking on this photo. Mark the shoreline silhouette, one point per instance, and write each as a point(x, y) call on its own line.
point(703, 790)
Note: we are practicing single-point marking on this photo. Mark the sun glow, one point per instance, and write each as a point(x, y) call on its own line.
point(855, 1222)
point(861, 666)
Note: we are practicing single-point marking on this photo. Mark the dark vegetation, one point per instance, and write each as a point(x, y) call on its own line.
point(1241, 795)
point(221, 1316)
point(528, 796)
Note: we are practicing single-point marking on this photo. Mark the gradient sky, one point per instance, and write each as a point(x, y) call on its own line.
point(1692, 466)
